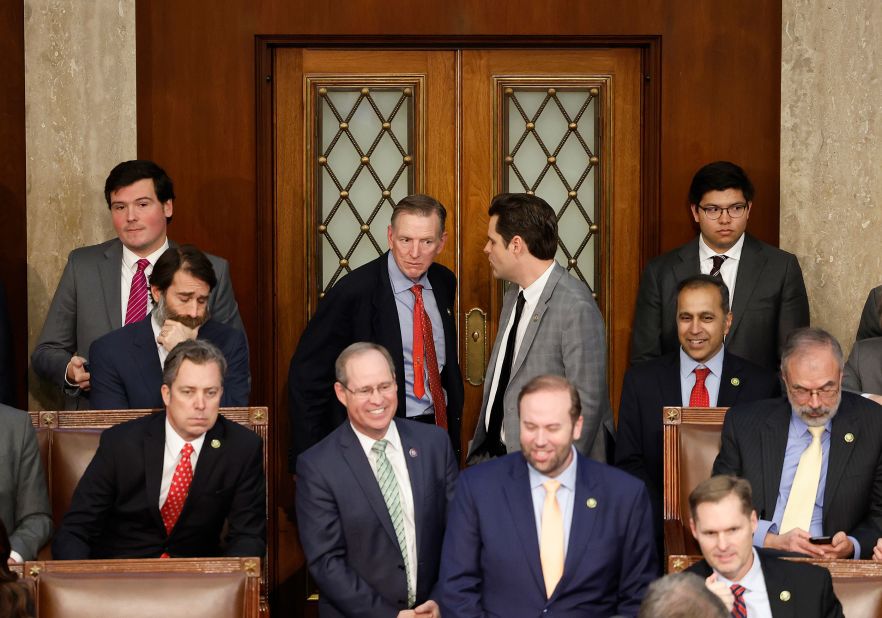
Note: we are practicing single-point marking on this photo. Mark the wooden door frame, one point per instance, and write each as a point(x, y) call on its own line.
point(267, 344)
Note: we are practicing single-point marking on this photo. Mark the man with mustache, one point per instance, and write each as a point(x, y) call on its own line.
point(126, 364)
point(815, 457)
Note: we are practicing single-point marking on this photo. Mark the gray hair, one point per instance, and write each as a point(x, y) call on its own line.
point(681, 595)
point(357, 349)
point(196, 351)
point(802, 339)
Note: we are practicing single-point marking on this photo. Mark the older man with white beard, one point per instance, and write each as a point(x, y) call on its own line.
point(814, 458)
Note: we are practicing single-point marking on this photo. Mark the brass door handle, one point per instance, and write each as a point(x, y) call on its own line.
point(475, 346)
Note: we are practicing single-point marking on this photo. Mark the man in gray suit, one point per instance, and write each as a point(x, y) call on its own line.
point(104, 286)
point(549, 324)
point(24, 501)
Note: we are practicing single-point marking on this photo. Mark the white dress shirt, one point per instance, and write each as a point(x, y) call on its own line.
point(756, 598)
point(395, 455)
point(173, 445)
point(127, 273)
point(532, 293)
point(729, 269)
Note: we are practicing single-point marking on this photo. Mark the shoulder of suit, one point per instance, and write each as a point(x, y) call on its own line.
point(761, 408)
point(361, 282)
point(135, 428)
point(421, 432)
point(864, 409)
point(653, 366)
point(215, 330)
point(235, 431)
point(745, 366)
point(674, 256)
point(873, 345)
point(93, 251)
point(751, 242)
point(10, 417)
point(613, 478)
point(771, 558)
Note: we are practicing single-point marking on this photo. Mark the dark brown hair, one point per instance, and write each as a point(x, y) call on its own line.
point(696, 282)
point(717, 488)
point(529, 217)
point(187, 258)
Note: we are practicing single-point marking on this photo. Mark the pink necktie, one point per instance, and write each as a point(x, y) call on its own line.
point(137, 307)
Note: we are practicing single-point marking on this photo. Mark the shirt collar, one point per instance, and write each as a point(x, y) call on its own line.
point(400, 281)
point(706, 253)
point(714, 363)
point(753, 580)
point(391, 437)
point(174, 443)
point(130, 258)
point(567, 478)
point(533, 291)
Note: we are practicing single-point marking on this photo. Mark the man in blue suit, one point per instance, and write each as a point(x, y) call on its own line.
point(126, 364)
point(547, 529)
point(372, 498)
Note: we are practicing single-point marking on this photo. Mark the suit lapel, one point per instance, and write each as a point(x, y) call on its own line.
point(582, 526)
point(154, 455)
point(669, 382)
point(535, 319)
point(839, 456)
point(750, 269)
point(109, 273)
point(387, 328)
point(520, 506)
point(416, 469)
point(209, 458)
point(145, 357)
point(505, 314)
point(776, 584)
point(688, 264)
point(774, 443)
point(728, 394)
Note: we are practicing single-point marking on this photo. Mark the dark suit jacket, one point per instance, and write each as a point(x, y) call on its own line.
point(863, 371)
point(86, 306)
point(871, 324)
point(770, 301)
point(753, 443)
point(650, 386)
point(361, 307)
point(345, 528)
point(810, 587)
point(114, 512)
point(126, 373)
point(490, 561)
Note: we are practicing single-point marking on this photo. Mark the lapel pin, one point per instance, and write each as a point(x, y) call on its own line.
point(849, 437)
point(412, 452)
point(535, 317)
point(592, 503)
point(215, 444)
point(449, 312)
point(784, 596)
point(735, 382)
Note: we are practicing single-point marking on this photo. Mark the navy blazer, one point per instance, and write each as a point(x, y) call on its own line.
point(126, 373)
point(490, 560)
point(114, 512)
point(361, 307)
point(345, 529)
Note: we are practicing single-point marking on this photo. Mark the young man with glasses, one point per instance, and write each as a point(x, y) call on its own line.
point(768, 296)
point(815, 458)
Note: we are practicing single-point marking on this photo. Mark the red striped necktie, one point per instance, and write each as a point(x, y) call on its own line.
point(137, 307)
point(739, 609)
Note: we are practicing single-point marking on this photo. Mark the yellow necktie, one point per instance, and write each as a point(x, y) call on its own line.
point(551, 538)
point(801, 503)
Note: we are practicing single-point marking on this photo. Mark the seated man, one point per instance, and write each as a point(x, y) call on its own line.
point(702, 373)
point(817, 455)
point(681, 595)
point(24, 501)
point(372, 497)
point(751, 582)
point(126, 364)
point(165, 484)
point(545, 530)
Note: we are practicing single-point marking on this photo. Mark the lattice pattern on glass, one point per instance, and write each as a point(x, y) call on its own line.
point(550, 140)
point(365, 140)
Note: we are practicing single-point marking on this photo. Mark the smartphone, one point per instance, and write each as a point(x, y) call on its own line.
point(821, 540)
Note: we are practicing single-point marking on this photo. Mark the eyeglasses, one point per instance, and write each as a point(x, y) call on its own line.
point(365, 392)
point(825, 393)
point(713, 212)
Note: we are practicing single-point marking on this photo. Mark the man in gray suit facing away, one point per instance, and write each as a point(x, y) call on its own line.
point(104, 286)
point(549, 324)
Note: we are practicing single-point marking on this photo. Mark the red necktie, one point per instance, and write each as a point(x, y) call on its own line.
point(424, 347)
point(700, 397)
point(177, 493)
point(739, 609)
point(137, 307)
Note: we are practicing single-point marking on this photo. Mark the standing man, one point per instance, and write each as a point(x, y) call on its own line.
point(547, 530)
point(751, 582)
point(402, 301)
point(168, 484)
point(127, 363)
point(767, 293)
point(816, 455)
point(104, 286)
point(372, 498)
point(549, 324)
point(702, 373)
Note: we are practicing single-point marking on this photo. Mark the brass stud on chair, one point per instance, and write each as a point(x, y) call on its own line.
point(594, 160)
point(552, 160)
point(344, 194)
point(344, 125)
point(552, 91)
point(365, 91)
point(344, 262)
point(408, 159)
point(387, 126)
point(573, 261)
point(530, 192)
point(530, 126)
point(365, 228)
point(509, 160)
point(408, 92)
point(322, 229)
point(594, 92)
point(365, 159)
point(387, 193)
point(323, 92)
point(593, 227)
point(573, 126)
point(321, 295)
point(323, 160)
point(508, 92)
point(572, 194)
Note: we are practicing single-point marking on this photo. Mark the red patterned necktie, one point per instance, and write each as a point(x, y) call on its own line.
point(424, 348)
point(700, 397)
point(177, 493)
point(739, 609)
point(137, 307)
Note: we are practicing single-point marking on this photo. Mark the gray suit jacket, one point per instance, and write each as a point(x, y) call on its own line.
point(863, 371)
point(565, 336)
point(86, 306)
point(24, 501)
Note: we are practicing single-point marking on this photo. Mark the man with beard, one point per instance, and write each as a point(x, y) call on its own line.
point(126, 364)
point(545, 529)
point(815, 457)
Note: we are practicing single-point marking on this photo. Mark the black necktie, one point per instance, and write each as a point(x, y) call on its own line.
point(493, 444)
point(718, 264)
